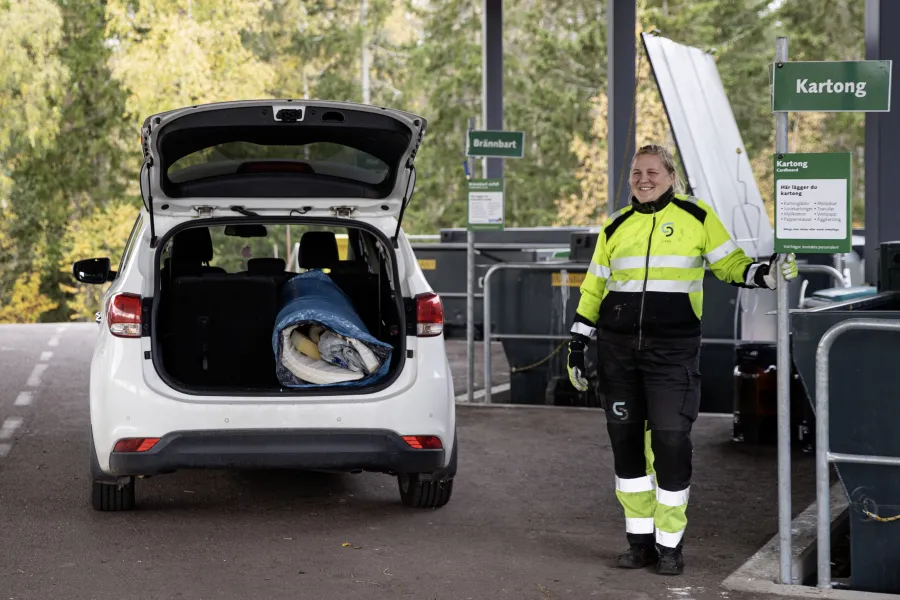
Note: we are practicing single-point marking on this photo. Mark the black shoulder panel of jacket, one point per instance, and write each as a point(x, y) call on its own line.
point(611, 229)
point(689, 207)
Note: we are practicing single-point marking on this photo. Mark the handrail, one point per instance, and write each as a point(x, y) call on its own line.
point(486, 311)
point(824, 456)
point(835, 274)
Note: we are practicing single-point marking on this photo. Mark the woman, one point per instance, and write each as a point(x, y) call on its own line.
point(643, 299)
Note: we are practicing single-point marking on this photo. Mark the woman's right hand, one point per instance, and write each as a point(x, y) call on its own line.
point(575, 365)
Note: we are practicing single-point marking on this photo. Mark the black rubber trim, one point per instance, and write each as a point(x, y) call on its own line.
point(691, 208)
point(309, 449)
point(617, 223)
point(330, 391)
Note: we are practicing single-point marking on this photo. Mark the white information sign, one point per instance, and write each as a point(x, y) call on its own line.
point(486, 209)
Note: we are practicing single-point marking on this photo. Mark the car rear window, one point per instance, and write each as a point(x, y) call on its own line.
point(322, 158)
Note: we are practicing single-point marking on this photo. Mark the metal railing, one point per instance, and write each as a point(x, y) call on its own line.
point(486, 313)
point(577, 268)
point(824, 456)
point(835, 274)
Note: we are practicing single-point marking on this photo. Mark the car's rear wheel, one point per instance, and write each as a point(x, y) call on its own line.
point(113, 497)
point(427, 491)
point(108, 496)
point(424, 493)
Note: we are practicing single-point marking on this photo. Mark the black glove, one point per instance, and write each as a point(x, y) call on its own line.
point(575, 364)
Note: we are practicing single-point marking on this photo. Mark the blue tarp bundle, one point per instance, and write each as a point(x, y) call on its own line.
point(313, 298)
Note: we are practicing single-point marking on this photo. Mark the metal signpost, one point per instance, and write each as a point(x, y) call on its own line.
point(813, 208)
point(486, 211)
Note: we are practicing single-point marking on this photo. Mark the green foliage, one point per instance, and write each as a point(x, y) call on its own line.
point(100, 235)
point(82, 169)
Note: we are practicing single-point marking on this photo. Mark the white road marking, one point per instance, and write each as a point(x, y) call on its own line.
point(24, 398)
point(9, 427)
point(62, 328)
point(46, 356)
point(54, 341)
point(34, 380)
point(4, 449)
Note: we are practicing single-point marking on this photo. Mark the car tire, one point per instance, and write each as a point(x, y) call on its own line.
point(423, 493)
point(113, 497)
point(427, 492)
point(108, 496)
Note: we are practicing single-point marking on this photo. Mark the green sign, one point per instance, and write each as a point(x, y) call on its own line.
point(486, 208)
point(812, 203)
point(835, 86)
point(501, 144)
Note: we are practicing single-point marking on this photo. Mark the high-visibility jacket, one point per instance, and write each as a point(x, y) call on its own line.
point(646, 274)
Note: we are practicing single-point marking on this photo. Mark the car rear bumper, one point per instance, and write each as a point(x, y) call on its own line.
point(323, 449)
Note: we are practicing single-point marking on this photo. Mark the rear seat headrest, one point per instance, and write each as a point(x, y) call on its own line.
point(192, 245)
point(266, 266)
point(318, 250)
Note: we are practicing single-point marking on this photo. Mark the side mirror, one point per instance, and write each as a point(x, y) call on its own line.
point(93, 270)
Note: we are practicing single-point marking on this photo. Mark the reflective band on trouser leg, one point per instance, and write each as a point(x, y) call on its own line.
point(670, 516)
point(638, 498)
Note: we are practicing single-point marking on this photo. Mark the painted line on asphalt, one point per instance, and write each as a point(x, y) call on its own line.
point(46, 356)
point(4, 449)
point(54, 341)
point(25, 399)
point(34, 380)
point(8, 429)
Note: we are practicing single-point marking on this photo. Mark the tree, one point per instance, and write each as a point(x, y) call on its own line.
point(173, 54)
point(83, 167)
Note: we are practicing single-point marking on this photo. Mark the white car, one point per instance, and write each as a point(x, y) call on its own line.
point(191, 369)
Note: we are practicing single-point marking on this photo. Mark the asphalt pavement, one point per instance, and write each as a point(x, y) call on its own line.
point(533, 516)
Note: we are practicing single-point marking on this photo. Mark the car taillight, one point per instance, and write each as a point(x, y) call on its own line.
point(124, 316)
point(429, 315)
point(135, 444)
point(423, 442)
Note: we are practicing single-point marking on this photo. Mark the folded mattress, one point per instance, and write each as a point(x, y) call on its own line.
point(351, 356)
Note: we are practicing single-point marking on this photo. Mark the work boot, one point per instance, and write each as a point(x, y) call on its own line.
point(638, 556)
point(671, 561)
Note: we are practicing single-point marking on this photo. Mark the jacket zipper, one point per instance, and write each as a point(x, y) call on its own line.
point(644, 290)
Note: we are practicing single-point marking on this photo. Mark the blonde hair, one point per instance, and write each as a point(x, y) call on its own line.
point(668, 162)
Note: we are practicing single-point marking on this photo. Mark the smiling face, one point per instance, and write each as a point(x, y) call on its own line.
point(649, 178)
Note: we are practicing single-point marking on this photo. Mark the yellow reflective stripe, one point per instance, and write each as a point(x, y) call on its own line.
point(655, 285)
point(717, 254)
point(638, 262)
point(599, 271)
point(668, 498)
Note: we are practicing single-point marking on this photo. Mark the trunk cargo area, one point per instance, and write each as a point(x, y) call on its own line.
point(216, 316)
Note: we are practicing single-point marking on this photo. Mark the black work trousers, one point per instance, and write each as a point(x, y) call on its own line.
point(652, 385)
